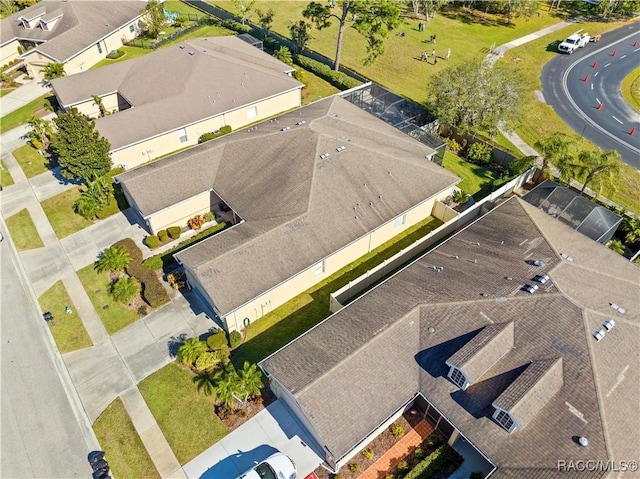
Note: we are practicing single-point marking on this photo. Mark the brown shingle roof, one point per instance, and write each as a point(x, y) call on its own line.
point(599, 395)
point(529, 393)
point(178, 86)
point(483, 351)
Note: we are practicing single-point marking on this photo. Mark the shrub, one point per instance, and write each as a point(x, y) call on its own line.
point(142, 310)
point(337, 79)
point(452, 145)
point(153, 262)
point(152, 241)
point(479, 153)
point(131, 247)
point(460, 197)
point(217, 340)
point(403, 465)
point(236, 26)
point(226, 129)
point(397, 430)
point(271, 44)
point(442, 458)
point(207, 361)
point(174, 232)
point(209, 216)
point(113, 54)
point(434, 440)
point(223, 354)
point(389, 476)
point(206, 137)
point(196, 222)
point(368, 453)
point(235, 339)
point(163, 236)
point(300, 75)
point(355, 468)
point(418, 452)
point(152, 290)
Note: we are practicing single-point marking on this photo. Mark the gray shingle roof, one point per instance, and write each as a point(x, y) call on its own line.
point(297, 207)
point(599, 395)
point(483, 351)
point(178, 86)
point(83, 23)
point(529, 393)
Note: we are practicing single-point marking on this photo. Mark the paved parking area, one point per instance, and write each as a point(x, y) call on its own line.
point(273, 429)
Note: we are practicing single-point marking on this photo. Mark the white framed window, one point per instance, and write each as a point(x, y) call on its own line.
point(132, 28)
point(252, 112)
point(399, 222)
point(505, 420)
point(99, 47)
point(182, 135)
point(457, 377)
point(319, 268)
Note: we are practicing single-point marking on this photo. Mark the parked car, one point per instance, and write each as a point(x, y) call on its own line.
point(276, 466)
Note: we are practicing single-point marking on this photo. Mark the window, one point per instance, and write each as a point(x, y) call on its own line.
point(99, 47)
point(252, 112)
point(504, 419)
point(457, 378)
point(399, 222)
point(132, 28)
point(182, 135)
point(320, 268)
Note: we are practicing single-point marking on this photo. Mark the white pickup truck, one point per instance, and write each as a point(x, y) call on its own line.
point(575, 41)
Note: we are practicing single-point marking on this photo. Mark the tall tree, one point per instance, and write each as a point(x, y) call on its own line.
point(284, 55)
point(53, 70)
point(598, 169)
point(249, 381)
point(114, 258)
point(245, 7)
point(266, 21)
point(555, 149)
point(82, 152)
point(630, 227)
point(40, 133)
point(300, 34)
point(190, 350)
point(153, 18)
point(373, 20)
point(520, 8)
point(476, 95)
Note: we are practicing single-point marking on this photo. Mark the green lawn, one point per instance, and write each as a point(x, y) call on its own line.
point(316, 88)
point(5, 176)
point(123, 447)
point(476, 180)
point(185, 416)
point(631, 89)
point(31, 162)
point(301, 313)
point(23, 231)
point(67, 328)
point(4, 91)
point(129, 54)
point(114, 315)
point(59, 210)
point(22, 114)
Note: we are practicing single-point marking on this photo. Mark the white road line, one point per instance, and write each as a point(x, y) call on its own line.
point(598, 100)
point(616, 119)
point(636, 50)
point(596, 74)
point(592, 86)
point(623, 56)
point(607, 64)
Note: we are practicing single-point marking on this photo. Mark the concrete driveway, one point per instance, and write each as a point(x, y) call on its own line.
point(273, 429)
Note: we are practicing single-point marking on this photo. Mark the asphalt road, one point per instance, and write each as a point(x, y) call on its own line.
point(574, 88)
point(40, 433)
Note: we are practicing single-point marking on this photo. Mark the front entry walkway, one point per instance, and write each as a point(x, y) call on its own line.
point(273, 429)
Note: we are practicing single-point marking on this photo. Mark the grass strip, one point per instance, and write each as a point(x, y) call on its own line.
point(23, 231)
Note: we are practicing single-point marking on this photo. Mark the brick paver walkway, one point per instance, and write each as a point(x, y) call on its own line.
point(398, 452)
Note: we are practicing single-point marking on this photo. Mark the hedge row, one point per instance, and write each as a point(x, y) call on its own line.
point(340, 80)
point(442, 458)
point(151, 288)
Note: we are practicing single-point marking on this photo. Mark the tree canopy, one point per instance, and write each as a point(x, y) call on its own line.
point(372, 20)
point(53, 70)
point(82, 152)
point(476, 95)
point(153, 18)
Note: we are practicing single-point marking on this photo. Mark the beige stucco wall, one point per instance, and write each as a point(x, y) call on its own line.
point(90, 109)
point(179, 214)
point(9, 52)
point(295, 285)
point(161, 145)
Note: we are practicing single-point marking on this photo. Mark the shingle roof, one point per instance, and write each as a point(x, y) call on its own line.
point(480, 286)
point(178, 86)
point(297, 208)
point(483, 351)
point(529, 393)
point(83, 23)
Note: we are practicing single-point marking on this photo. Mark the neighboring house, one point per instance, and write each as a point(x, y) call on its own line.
point(76, 33)
point(311, 191)
point(165, 101)
point(521, 376)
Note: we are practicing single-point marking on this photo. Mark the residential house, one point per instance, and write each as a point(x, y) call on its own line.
point(536, 381)
point(164, 101)
point(76, 33)
point(309, 192)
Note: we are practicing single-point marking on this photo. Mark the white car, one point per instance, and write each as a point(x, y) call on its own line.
point(276, 466)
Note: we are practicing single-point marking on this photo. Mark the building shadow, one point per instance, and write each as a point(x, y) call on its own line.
point(432, 359)
point(239, 462)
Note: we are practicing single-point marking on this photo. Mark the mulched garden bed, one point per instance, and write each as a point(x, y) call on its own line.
point(250, 409)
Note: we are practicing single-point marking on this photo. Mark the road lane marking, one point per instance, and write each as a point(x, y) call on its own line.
point(596, 74)
point(616, 119)
point(607, 64)
point(636, 50)
point(598, 100)
point(623, 56)
point(592, 86)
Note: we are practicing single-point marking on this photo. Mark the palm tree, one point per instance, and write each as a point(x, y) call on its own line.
point(631, 229)
point(190, 350)
point(125, 289)
point(86, 206)
point(228, 386)
point(616, 246)
point(53, 70)
point(250, 380)
point(101, 189)
point(600, 169)
point(284, 55)
point(40, 133)
point(114, 258)
point(555, 149)
point(97, 101)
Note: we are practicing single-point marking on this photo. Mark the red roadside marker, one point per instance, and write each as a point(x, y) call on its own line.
point(595, 64)
point(615, 52)
point(635, 44)
point(599, 107)
point(633, 130)
point(586, 77)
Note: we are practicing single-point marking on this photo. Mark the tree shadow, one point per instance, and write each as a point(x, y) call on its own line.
point(174, 343)
point(553, 46)
point(472, 17)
